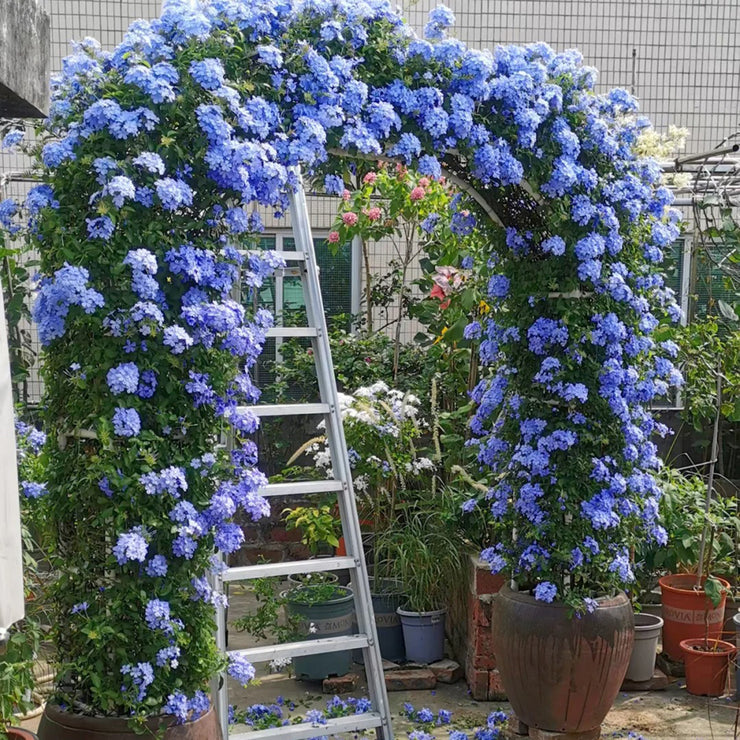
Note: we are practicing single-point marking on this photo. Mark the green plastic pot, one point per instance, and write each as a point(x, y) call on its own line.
point(331, 618)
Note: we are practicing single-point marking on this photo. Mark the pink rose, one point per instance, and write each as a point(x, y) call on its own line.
point(370, 178)
point(349, 219)
point(346, 195)
point(418, 193)
point(373, 214)
point(333, 237)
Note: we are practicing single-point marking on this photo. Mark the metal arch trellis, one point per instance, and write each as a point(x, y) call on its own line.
point(713, 196)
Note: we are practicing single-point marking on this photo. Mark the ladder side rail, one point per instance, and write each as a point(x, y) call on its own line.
point(339, 455)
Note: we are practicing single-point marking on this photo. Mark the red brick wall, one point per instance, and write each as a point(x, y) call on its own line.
point(470, 631)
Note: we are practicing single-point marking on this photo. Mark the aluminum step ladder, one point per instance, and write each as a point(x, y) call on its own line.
point(379, 717)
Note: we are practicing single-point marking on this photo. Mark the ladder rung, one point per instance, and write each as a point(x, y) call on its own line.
point(300, 487)
point(268, 570)
point(288, 256)
point(306, 730)
point(292, 331)
point(267, 653)
point(289, 409)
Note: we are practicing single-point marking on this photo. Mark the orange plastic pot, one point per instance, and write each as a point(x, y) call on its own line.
point(688, 612)
point(706, 671)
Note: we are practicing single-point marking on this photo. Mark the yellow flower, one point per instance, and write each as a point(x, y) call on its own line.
point(483, 307)
point(442, 333)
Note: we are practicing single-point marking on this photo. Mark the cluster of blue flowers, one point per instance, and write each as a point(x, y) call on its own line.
point(160, 252)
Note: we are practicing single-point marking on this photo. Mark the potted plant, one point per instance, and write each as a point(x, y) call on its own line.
point(146, 364)
point(383, 427)
point(563, 422)
point(424, 554)
point(320, 531)
point(21, 647)
point(693, 605)
point(322, 610)
point(707, 663)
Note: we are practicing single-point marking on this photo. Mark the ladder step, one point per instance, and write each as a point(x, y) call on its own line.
point(267, 653)
point(307, 730)
point(288, 256)
point(269, 570)
point(293, 331)
point(289, 409)
point(300, 487)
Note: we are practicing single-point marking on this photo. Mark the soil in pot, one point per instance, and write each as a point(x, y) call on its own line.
point(59, 725)
point(688, 613)
point(707, 663)
point(423, 635)
point(644, 652)
point(333, 616)
point(560, 673)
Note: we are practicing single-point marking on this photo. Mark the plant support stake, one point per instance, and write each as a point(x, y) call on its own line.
point(710, 482)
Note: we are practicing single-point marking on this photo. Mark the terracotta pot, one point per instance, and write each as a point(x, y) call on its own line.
point(561, 674)
point(16, 733)
point(59, 725)
point(706, 672)
point(688, 613)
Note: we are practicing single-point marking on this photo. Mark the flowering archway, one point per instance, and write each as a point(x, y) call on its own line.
point(157, 154)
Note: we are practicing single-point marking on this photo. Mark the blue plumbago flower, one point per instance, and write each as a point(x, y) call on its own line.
point(157, 567)
point(173, 194)
point(120, 188)
point(157, 81)
point(126, 422)
point(150, 162)
point(270, 55)
point(440, 19)
point(100, 228)
point(240, 669)
point(545, 591)
point(177, 706)
point(12, 139)
point(33, 490)
point(67, 288)
point(157, 616)
point(170, 480)
point(130, 546)
point(333, 185)
point(177, 339)
point(123, 378)
point(79, 608)
point(141, 675)
point(208, 73)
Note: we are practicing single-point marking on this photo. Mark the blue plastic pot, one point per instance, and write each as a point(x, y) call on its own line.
point(423, 635)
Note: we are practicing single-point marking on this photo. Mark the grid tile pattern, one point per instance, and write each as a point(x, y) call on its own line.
point(679, 57)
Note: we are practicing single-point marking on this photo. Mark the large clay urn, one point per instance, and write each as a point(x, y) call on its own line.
point(560, 672)
point(59, 725)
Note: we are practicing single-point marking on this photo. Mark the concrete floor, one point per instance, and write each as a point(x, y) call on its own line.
point(672, 714)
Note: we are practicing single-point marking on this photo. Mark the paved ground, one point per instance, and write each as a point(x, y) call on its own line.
point(672, 714)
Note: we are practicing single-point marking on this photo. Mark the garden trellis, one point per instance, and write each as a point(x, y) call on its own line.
point(153, 157)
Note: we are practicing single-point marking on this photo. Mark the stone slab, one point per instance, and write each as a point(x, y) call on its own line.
point(410, 680)
point(340, 684)
point(659, 682)
point(25, 59)
point(447, 670)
